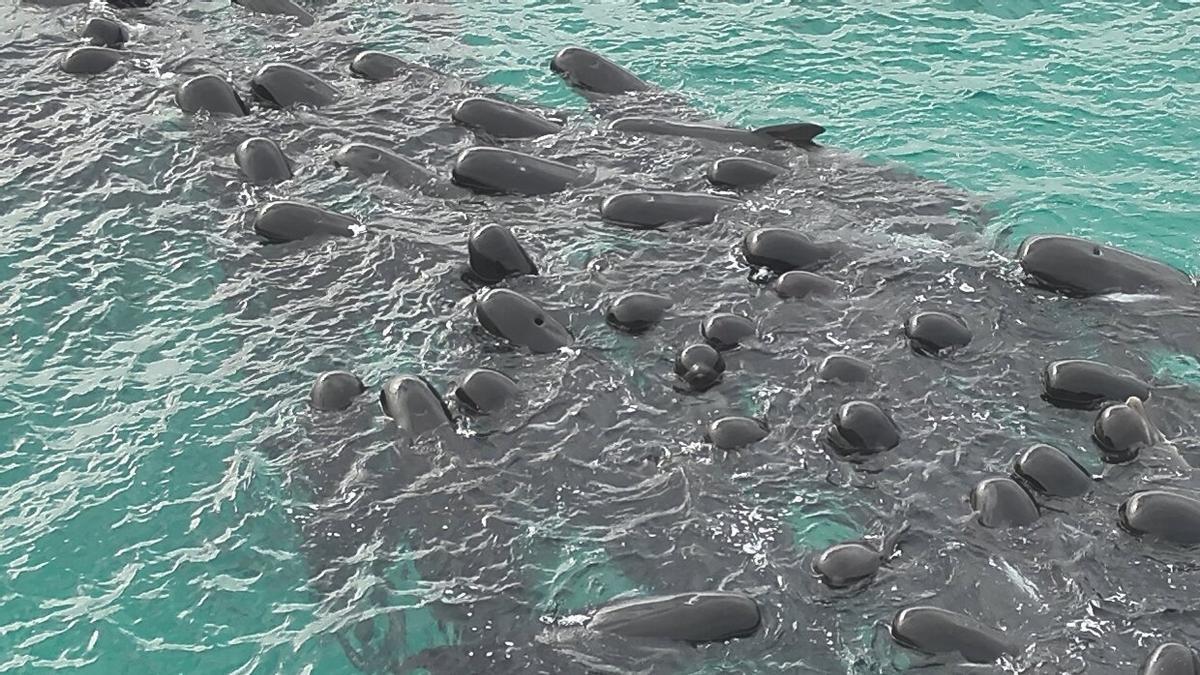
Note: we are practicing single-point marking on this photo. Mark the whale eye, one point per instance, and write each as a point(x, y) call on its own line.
point(539, 321)
point(1096, 250)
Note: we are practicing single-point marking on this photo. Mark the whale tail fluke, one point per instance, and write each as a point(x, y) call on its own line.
point(796, 133)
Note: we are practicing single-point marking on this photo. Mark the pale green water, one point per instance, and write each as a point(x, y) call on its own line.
point(142, 534)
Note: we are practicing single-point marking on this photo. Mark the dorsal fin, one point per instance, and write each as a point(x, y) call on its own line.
point(796, 133)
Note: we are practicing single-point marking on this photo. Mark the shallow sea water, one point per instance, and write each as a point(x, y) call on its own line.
point(170, 505)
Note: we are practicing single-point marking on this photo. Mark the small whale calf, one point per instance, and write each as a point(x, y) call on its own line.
point(484, 391)
point(688, 617)
point(637, 311)
point(653, 209)
point(495, 255)
point(727, 331)
point(514, 317)
point(700, 366)
point(861, 428)
point(90, 60)
point(1052, 472)
point(262, 161)
point(413, 404)
point(939, 631)
point(284, 221)
point(499, 171)
point(1079, 383)
point(742, 173)
point(1162, 515)
point(1002, 502)
point(783, 250)
point(335, 390)
point(211, 93)
point(283, 85)
point(502, 120)
point(730, 433)
point(936, 333)
point(1081, 268)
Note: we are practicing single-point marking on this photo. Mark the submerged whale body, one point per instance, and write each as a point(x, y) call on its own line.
point(1171, 658)
point(283, 7)
point(743, 173)
point(282, 85)
point(938, 631)
point(484, 391)
point(1077, 267)
point(284, 221)
point(500, 119)
point(500, 171)
point(769, 137)
point(653, 209)
point(637, 311)
point(1002, 502)
point(847, 564)
point(514, 317)
point(1078, 383)
point(730, 433)
point(1052, 472)
point(687, 617)
point(495, 255)
point(589, 72)
point(1162, 515)
point(261, 160)
point(211, 93)
point(104, 32)
point(413, 404)
point(90, 60)
point(335, 390)
point(780, 250)
point(378, 66)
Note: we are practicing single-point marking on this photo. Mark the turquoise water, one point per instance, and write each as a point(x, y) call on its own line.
point(141, 530)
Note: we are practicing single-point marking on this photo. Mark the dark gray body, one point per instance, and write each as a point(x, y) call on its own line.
point(934, 333)
point(742, 172)
point(90, 60)
point(1002, 502)
point(718, 134)
point(939, 631)
point(727, 331)
point(519, 320)
point(1080, 267)
point(1171, 658)
point(502, 120)
point(1160, 514)
point(211, 93)
point(847, 564)
point(1052, 472)
point(285, 221)
point(688, 617)
point(494, 254)
point(861, 428)
point(650, 210)
point(637, 311)
point(283, 85)
point(413, 404)
point(1080, 383)
point(498, 171)
point(104, 32)
point(262, 161)
point(484, 391)
point(730, 433)
point(335, 390)
point(590, 72)
point(1121, 433)
point(372, 160)
point(783, 250)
